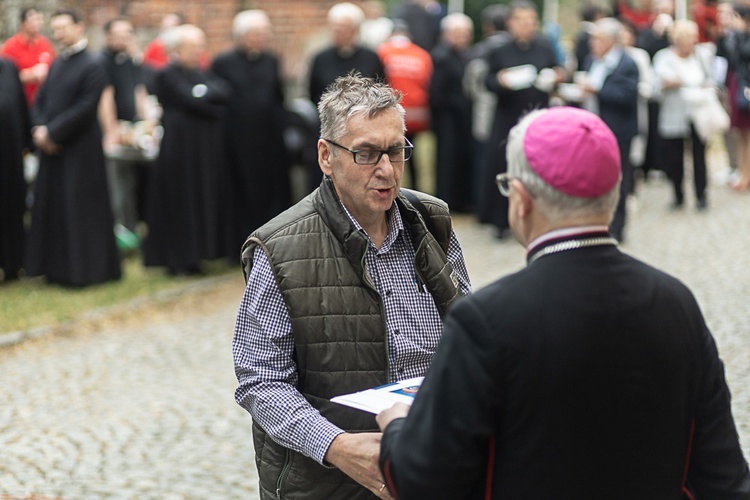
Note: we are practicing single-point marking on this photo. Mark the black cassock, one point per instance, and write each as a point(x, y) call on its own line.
point(256, 161)
point(185, 211)
point(511, 105)
point(71, 239)
point(14, 138)
point(451, 122)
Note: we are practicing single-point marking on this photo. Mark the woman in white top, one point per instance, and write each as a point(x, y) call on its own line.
point(645, 91)
point(679, 68)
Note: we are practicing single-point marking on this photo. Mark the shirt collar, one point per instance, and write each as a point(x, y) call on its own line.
point(74, 49)
point(395, 226)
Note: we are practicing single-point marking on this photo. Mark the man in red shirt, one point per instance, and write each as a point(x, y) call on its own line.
point(31, 51)
point(408, 68)
point(155, 54)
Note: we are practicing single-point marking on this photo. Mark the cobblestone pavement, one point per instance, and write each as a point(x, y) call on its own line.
point(140, 406)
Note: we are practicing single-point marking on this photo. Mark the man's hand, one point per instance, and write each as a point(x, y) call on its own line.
point(385, 417)
point(356, 455)
point(44, 142)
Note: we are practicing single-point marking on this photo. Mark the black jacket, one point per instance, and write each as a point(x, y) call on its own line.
point(585, 375)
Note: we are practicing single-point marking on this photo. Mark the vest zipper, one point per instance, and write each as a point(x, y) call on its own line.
point(284, 472)
point(420, 281)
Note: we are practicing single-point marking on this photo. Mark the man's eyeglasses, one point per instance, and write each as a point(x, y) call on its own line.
point(373, 156)
point(503, 183)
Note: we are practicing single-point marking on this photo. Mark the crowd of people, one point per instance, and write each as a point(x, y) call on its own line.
point(587, 374)
point(192, 152)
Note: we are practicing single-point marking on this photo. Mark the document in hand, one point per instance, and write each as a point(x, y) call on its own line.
point(520, 77)
point(381, 398)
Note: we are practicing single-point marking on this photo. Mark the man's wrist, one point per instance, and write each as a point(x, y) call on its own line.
point(319, 443)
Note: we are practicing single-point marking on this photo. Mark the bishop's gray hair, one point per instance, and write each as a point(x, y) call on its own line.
point(351, 95)
point(555, 204)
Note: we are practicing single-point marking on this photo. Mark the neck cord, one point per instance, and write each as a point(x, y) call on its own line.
point(564, 246)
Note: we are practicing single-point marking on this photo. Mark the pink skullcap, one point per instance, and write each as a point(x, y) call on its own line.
point(573, 151)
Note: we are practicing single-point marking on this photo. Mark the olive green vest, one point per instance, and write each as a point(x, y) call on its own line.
point(338, 323)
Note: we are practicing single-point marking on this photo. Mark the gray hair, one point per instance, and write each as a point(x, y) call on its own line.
point(681, 28)
point(174, 37)
point(346, 11)
point(609, 28)
point(249, 20)
point(556, 205)
point(351, 95)
point(457, 20)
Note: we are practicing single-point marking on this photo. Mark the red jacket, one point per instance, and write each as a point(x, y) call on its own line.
point(408, 68)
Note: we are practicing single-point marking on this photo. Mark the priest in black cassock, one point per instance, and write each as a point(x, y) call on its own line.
point(256, 163)
point(515, 97)
point(344, 56)
point(186, 211)
point(451, 114)
point(71, 238)
point(14, 139)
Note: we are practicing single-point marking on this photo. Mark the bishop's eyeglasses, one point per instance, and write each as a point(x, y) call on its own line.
point(503, 183)
point(373, 156)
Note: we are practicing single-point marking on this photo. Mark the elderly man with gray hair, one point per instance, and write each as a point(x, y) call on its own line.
point(345, 53)
point(611, 91)
point(588, 374)
point(253, 127)
point(451, 113)
point(345, 291)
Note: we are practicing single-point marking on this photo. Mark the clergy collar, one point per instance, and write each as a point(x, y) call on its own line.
point(573, 236)
point(524, 44)
point(346, 52)
point(74, 49)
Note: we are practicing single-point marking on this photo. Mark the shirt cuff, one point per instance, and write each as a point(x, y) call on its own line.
point(319, 440)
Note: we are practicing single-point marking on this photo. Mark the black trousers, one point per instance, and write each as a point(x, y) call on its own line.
point(674, 163)
point(626, 187)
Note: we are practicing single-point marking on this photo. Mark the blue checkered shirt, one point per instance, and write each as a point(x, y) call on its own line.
point(263, 344)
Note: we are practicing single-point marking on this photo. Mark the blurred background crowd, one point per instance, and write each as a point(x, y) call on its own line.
point(174, 140)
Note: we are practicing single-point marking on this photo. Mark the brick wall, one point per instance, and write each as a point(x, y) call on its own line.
point(299, 26)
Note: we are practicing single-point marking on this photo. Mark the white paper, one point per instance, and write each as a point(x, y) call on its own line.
point(520, 77)
point(570, 92)
point(381, 398)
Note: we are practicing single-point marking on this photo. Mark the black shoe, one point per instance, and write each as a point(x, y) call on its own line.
point(676, 205)
point(701, 205)
point(501, 233)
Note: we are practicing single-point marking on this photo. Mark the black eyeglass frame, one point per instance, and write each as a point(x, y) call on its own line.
point(407, 151)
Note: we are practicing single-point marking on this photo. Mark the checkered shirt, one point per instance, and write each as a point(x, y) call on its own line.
point(263, 343)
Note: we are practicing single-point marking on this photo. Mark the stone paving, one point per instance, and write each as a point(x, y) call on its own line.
point(141, 406)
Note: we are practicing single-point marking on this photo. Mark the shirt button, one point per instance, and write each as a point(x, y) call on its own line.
point(388, 293)
point(397, 332)
point(401, 370)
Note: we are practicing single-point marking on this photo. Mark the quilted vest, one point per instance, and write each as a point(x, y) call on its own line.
point(338, 323)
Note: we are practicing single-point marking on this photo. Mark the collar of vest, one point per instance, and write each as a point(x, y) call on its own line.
point(354, 242)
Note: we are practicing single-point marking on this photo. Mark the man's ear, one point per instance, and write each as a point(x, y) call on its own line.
point(525, 201)
point(324, 157)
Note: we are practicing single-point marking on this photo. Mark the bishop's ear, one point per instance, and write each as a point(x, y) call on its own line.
point(523, 199)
